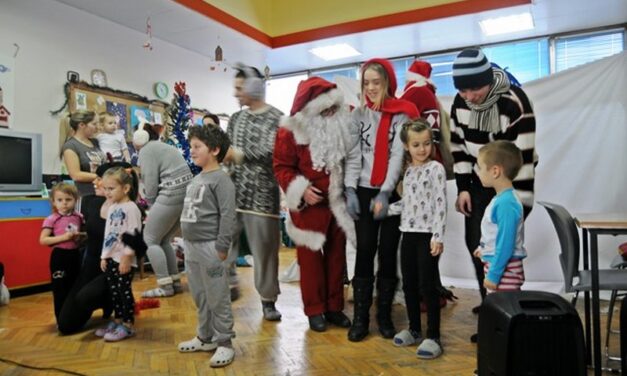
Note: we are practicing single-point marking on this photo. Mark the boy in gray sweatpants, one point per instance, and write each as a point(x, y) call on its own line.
point(208, 223)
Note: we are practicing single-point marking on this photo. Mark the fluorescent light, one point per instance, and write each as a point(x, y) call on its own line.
point(335, 51)
point(507, 24)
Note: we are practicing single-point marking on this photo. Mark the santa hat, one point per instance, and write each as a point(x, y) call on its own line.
point(471, 69)
point(418, 74)
point(314, 95)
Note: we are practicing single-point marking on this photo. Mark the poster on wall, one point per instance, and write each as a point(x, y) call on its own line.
point(119, 111)
point(7, 90)
point(139, 115)
point(81, 101)
point(157, 118)
point(197, 117)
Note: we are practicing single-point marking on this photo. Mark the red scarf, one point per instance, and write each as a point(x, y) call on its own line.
point(390, 107)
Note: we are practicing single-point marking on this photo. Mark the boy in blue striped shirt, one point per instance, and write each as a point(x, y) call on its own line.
point(502, 230)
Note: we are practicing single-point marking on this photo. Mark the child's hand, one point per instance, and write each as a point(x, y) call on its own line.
point(103, 265)
point(222, 255)
point(436, 248)
point(477, 252)
point(125, 264)
point(68, 236)
point(489, 285)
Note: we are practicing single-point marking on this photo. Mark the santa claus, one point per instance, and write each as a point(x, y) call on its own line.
point(308, 164)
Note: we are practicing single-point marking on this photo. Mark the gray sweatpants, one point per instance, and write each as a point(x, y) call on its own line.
point(264, 240)
point(208, 283)
point(162, 223)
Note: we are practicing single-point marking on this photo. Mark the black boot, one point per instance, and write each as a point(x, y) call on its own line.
point(362, 296)
point(386, 288)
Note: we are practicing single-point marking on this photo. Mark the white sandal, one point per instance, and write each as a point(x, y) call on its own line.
point(196, 345)
point(406, 338)
point(223, 357)
point(159, 292)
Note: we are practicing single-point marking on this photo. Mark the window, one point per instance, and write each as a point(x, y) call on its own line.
point(527, 60)
point(400, 69)
point(442, 72)
point(581, 49)
point(280, 91)
point(329, 74)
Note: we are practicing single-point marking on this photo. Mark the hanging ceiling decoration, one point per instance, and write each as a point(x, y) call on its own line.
point(148, 44)
point(218, 59)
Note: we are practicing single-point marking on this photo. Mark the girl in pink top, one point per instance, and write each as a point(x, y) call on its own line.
point(61, 230)
point(117, 259)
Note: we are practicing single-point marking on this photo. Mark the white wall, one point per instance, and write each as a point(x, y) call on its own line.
point(55, 38)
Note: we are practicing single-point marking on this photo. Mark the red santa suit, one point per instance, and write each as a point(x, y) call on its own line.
point(320, 231)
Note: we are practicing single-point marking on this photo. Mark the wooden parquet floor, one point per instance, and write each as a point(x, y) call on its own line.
point(28, 338)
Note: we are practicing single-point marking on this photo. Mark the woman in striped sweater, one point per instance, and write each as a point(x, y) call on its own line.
point(487, 108)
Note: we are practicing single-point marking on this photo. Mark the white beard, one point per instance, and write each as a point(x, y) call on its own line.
point(329, 139)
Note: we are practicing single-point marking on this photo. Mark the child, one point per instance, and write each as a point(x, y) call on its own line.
point(208, 225)
point(423, 219)
point(502, 231)
point(116, 260)
point(110, 140)
point(61, 230)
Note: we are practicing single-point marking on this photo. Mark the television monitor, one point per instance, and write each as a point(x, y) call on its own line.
point(20, 163)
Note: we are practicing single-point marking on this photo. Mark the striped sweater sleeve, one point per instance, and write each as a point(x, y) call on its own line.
point(521, 130)
point(464, 162)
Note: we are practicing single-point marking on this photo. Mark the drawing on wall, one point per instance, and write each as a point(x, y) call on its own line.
point(139, 115)
point(81, 101)
point(157, 118)
point(119, 110)
point(7, 90)
point(197, 117)
point(4, 112)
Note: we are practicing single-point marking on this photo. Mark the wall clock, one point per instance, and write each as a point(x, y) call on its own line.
point(99, 77)
point(161, 89)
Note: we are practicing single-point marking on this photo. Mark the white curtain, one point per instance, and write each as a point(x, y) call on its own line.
point(581, 140)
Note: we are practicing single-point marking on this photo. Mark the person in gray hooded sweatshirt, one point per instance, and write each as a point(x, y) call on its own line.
point(165, 176)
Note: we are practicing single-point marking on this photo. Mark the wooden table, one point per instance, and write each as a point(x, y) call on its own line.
point(593, 225)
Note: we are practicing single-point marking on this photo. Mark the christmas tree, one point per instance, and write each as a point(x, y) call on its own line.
point(180, 115)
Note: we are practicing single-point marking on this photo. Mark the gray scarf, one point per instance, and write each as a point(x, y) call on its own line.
point(485, 116)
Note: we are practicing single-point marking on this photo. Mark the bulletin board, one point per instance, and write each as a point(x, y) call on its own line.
point(129, 107)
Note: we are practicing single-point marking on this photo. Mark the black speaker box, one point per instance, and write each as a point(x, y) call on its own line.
point(529, 333)
point(623, 336)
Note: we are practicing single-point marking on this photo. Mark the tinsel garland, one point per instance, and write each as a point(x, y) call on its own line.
point(128, 95)
point(180, 115)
